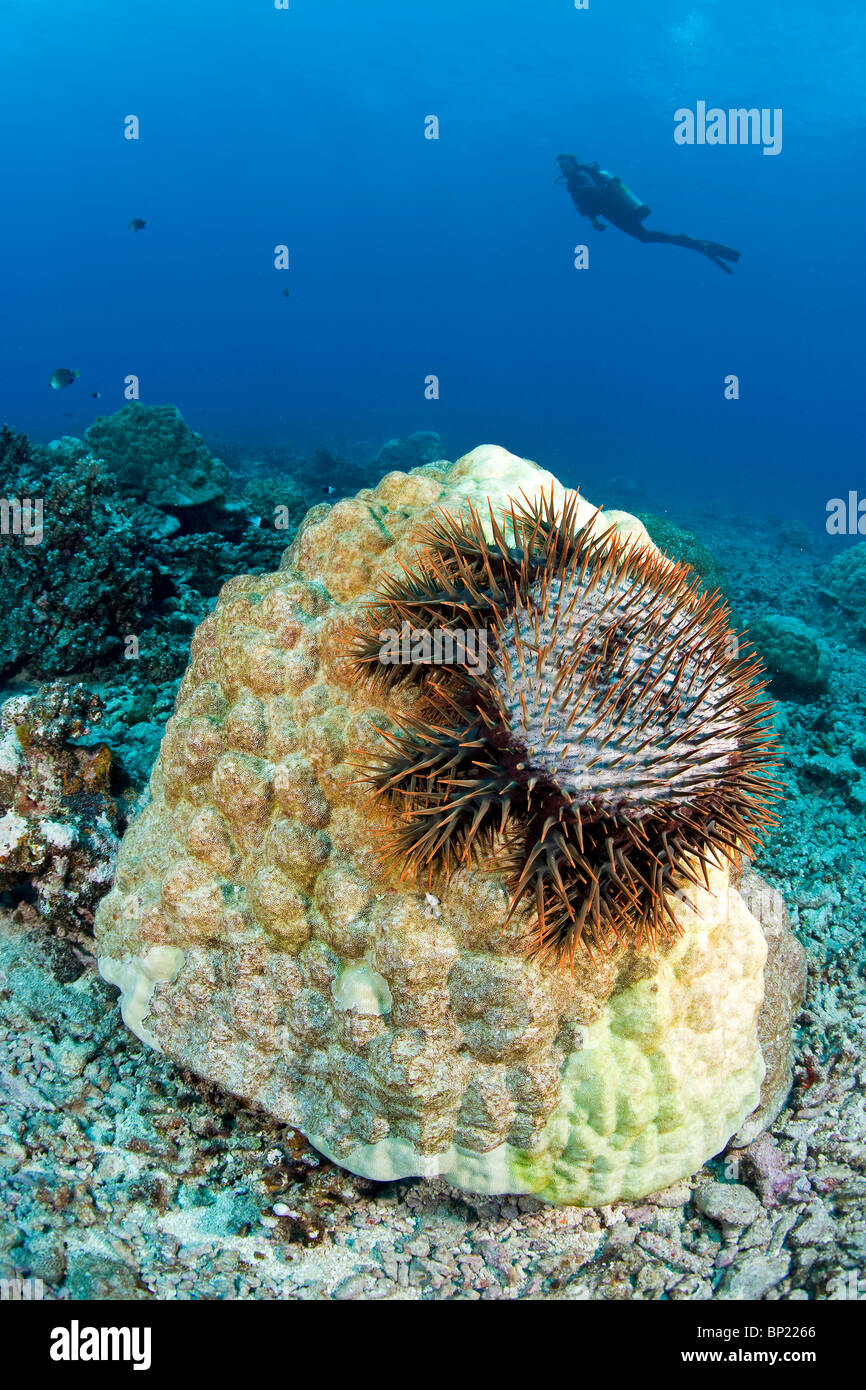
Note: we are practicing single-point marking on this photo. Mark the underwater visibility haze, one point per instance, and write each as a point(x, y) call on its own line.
point(452, 256)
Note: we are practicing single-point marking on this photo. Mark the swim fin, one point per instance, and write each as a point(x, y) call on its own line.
point(724, 251)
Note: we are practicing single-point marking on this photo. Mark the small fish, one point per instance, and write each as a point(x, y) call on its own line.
point(286, 294)
point(62, 377)
point(328, 489)
point(97, 395)
point(136, 224)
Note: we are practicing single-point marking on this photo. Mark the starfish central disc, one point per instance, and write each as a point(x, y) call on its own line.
point(600, 662)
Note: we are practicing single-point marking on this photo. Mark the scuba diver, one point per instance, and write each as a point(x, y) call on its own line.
point(595, 194)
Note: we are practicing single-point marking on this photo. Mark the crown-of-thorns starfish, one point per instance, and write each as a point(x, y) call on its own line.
point(612, 746)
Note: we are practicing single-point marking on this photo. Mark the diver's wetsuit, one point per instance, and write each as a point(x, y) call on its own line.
point(598, 194)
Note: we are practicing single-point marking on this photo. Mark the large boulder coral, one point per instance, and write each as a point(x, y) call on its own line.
point(157, 458)
point(796, 656)
point(258, 938)
point(784, 990)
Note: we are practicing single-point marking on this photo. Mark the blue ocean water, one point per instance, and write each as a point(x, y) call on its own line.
point(305, 127)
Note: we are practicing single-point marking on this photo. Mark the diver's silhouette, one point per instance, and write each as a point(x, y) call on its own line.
point(595, 194)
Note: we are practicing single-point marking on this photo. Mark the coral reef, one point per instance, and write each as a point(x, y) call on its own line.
point(257, 938)
point(158, 459)
point(796, 656)
point(680, 544)
point(424, 446)
point(328, 473)
point(64, 610)
point(272, 499)
point(123, 1176)
point(59, 823)
point(796, 536)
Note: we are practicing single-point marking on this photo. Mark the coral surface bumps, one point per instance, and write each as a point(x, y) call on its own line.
point(258, 939)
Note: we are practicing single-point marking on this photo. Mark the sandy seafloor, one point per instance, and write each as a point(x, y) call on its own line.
point(123, 1177)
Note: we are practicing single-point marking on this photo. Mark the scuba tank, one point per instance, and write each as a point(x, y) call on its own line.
point(622, 200)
